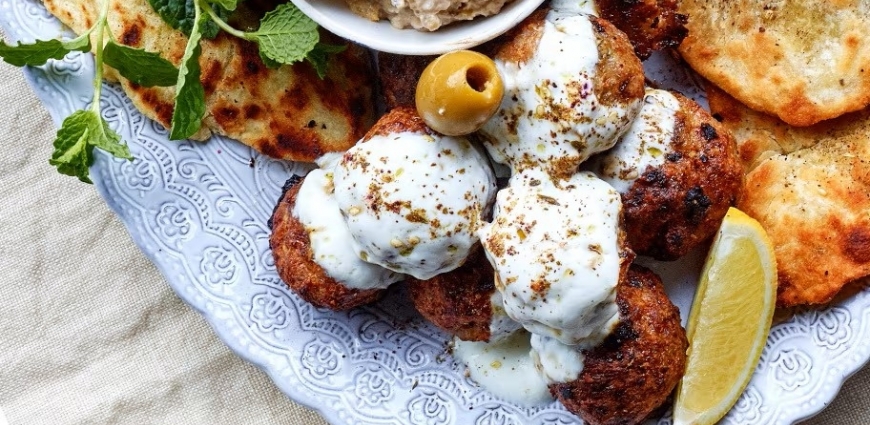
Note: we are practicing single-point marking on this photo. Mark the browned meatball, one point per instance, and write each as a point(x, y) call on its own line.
point(296, 266)
point(399, 75)
point(650, 24)
point(637, 367)
point(673, 207)
point(458, 301)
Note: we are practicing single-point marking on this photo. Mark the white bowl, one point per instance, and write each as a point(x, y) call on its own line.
point(335, 16)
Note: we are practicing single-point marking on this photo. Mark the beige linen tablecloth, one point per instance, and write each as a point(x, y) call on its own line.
point(90, 333)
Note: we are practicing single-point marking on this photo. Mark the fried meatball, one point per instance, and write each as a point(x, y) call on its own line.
point(413, 198)
point(637, 367)
point(295, 262)
point(678, 170)
point(464, 302)
point(649, 24)
point(399, 75)
point(572, 85)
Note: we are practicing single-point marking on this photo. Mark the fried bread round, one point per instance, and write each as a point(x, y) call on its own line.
point(813, 203)
point(804, 61)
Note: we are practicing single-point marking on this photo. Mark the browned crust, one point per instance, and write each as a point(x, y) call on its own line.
point(671, 209)
point(619, 78)
point(637, 367)
point(769, 55)
point(523, 38)
point(297, 268)
point(650, 24)
point(813, 204)
point(399, 120)
point(399, 75)
point(286, 112)
point(458, 301)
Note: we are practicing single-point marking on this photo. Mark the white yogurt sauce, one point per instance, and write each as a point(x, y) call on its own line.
point(504, 368)
point(555, 250)
point(413, 201)
point(500, 325)
point(330, 238)
point(645, 145)
point(550, 117)
point(557, 362)
point(575, 7)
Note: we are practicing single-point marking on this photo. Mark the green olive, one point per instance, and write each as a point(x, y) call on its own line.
point(458, 92)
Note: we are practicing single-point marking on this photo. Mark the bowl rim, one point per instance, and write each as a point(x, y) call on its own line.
point(382, 36)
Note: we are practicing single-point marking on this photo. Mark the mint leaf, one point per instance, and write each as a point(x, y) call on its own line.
point(75, 142)
point(189, 93)
point(39, 52)
point(146, 69)
point(180, 14)
point(286, 35)
point(226, 4)
point(319, 57)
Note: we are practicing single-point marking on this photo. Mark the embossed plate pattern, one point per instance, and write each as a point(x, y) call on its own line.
point(199, 211)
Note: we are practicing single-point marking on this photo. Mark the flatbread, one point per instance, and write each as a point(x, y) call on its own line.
point(814, 204)
point(286, 113)
point(760, 136)
point(802, 60)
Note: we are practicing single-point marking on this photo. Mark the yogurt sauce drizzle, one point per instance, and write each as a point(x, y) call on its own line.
point(330, 238)
point(505, 368)
point(555, 250)
point(414, 201)
point(645, 145)
point(550, 116)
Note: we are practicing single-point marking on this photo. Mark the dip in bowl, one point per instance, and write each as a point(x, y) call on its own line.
point(337, 17)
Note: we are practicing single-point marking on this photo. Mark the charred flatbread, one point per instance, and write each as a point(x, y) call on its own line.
point(814, 202)
point(803, 60)
point(286, 113)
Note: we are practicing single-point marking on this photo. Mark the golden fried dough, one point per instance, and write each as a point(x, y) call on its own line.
point(814, 204)
point(760, 136)
point(286, 112)
point(635, 369)
point(803, 60)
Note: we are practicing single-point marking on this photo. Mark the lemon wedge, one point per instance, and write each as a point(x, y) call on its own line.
point(729, 321)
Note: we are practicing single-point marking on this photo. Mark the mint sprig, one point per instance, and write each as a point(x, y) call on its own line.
point(86, 129)
point(39, 52)
point(189, 93)
point(285, 36)
point(146, 69)
point(179, 14)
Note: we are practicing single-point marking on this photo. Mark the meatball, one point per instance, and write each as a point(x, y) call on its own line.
point(637, 367)
point(295, 261)
point(572, 84)
point(650, 24)
point(464, 302)
point(412, 198)
point(678, 171)
point(399, 75)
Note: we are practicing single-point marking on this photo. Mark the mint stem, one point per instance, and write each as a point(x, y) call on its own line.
point(98, 56)
point(221, 23)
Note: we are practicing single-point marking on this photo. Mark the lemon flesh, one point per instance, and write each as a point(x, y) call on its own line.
point(729, 321)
